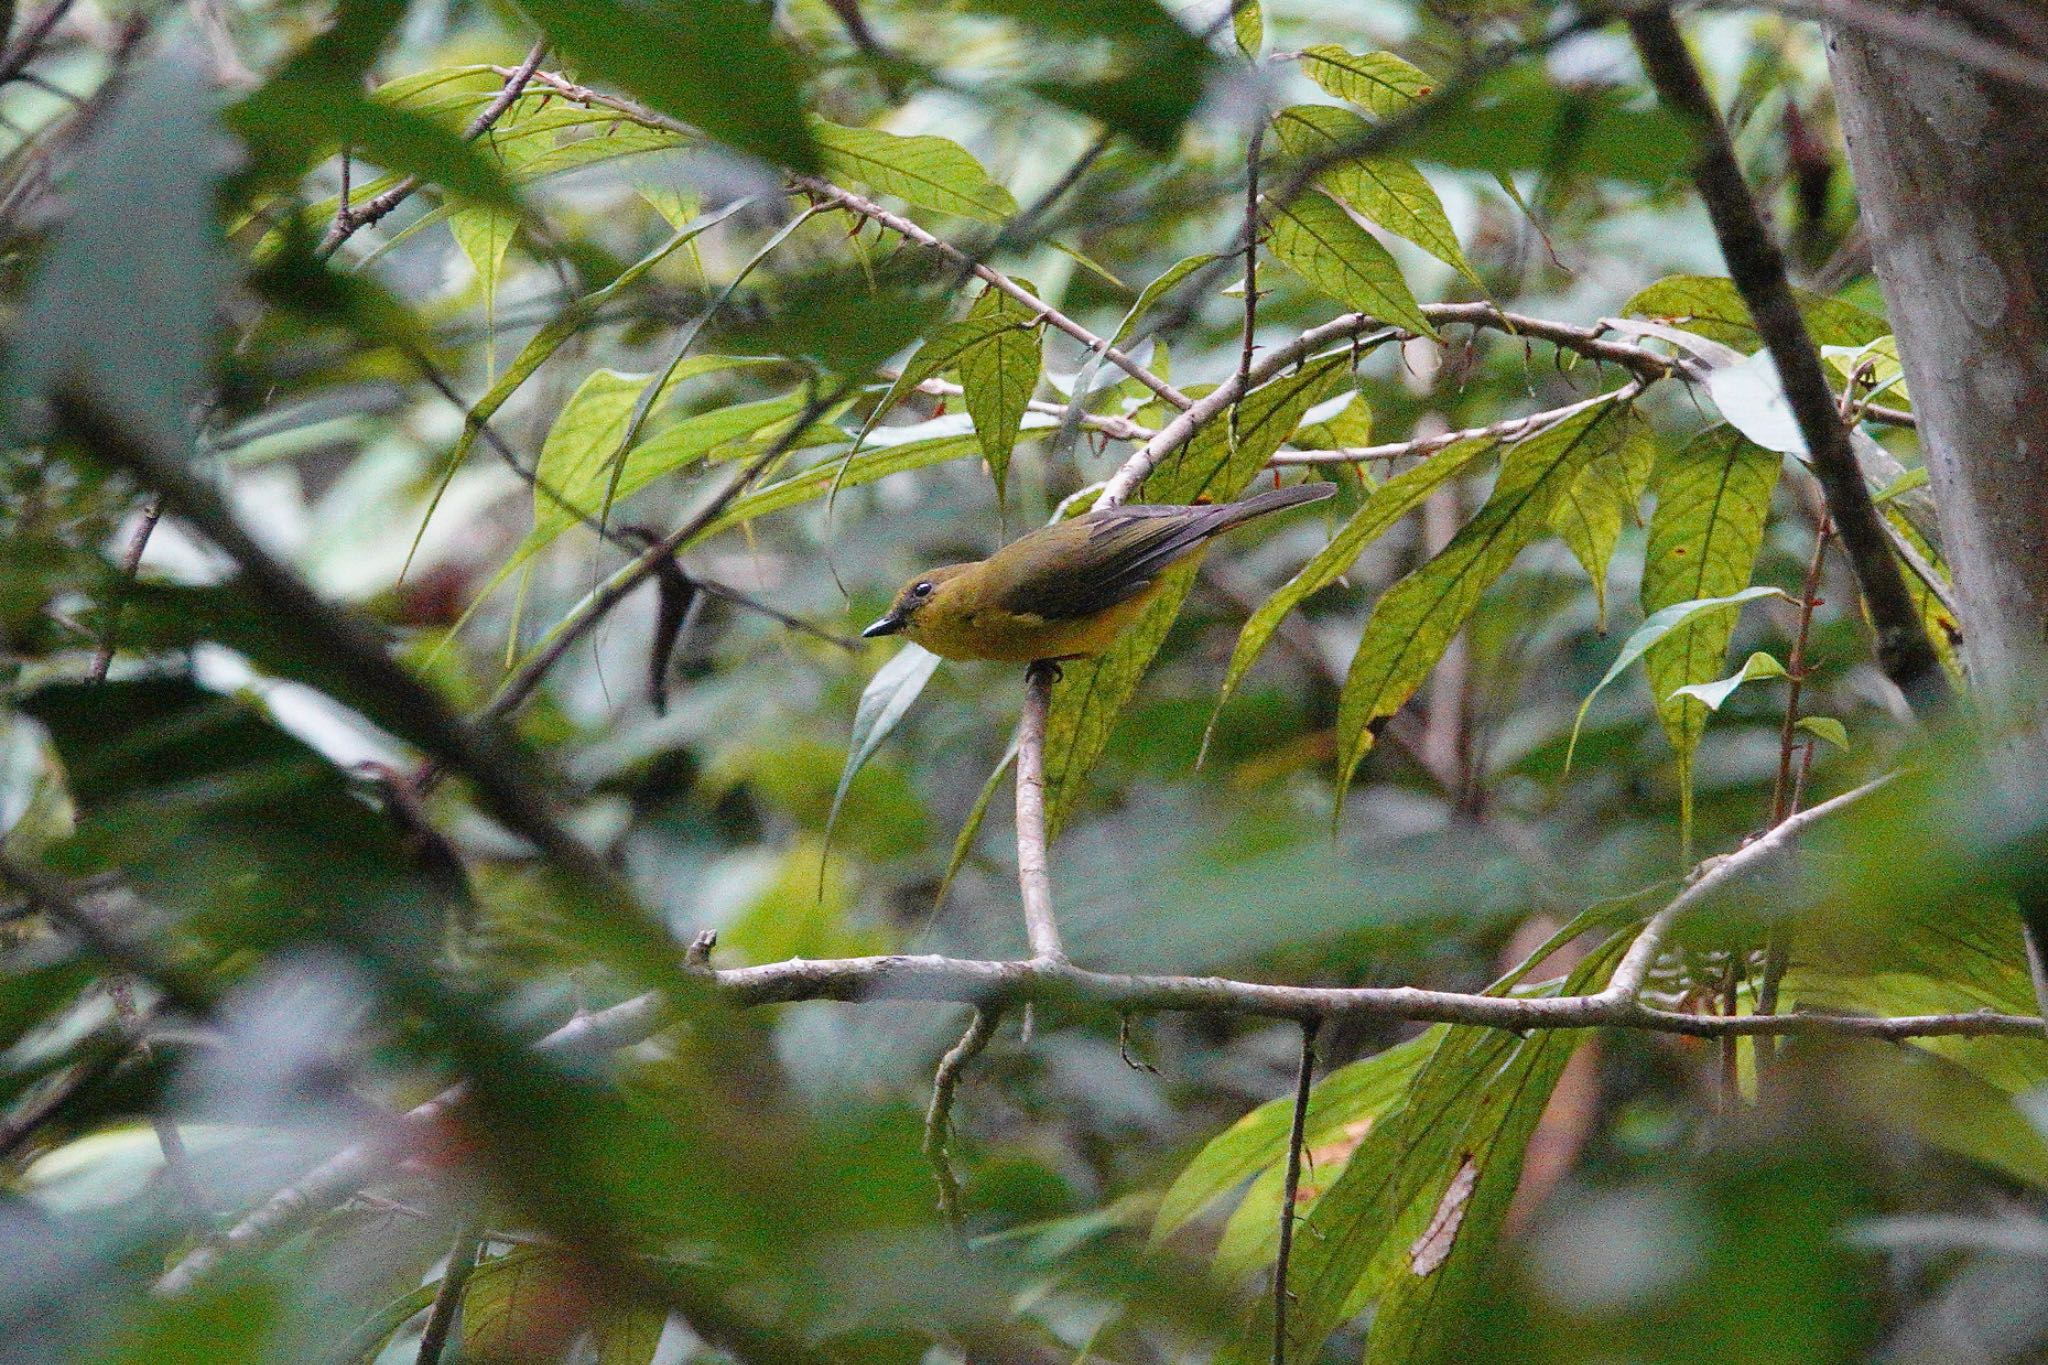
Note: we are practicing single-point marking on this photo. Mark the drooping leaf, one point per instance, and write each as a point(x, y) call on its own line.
point(1378, 82)
point(1711, 306)
point(1383, 509)
point(1474, 1103)
point(1087, 701)
point(1659, 626)
point(1316, 238)
point(1605, 497)
point(887, 698)
point(713, 64)
point(1757, 668)
point(1416, 619)
point(930, 172)
point(1350, 1095)
point(963, 842)
point(1384, 190)
point(945, 348)
point(998, 375)
point(1713, 497)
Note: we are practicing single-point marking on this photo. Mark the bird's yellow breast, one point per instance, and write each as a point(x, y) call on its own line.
point(992, 633)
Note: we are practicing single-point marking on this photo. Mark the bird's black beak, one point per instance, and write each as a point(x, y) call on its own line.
point(888, 625)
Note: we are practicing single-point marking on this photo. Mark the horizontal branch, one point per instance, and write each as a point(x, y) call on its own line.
point(1429, 445)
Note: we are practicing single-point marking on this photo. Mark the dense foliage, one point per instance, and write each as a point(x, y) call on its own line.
point(539, 400)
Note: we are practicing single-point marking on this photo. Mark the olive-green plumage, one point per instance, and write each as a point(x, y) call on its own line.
point(1065, 591)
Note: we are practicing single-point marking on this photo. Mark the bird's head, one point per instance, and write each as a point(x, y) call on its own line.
point(917, 596)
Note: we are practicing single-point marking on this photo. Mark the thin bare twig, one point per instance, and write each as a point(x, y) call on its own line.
point(1291, 1190)
point(1034, 883)
point(26, 47)
point(938, 1119)
point(1506, 429)
point(131, 561)
point(1758, 268)
point(1918, 30)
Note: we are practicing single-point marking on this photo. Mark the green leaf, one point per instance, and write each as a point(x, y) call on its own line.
point(939, 352)
point(1152, 70)
point(1248, 27)
point(930, 172)
point(1415, 620)
point(1317, 239)
point(291, 123)
point(1659, 625)
point(1153, 292)
point(1942, 627)
point(1471, 1109)
point(1887, 378)
point(1385, 191)
point(871, 464)
point(1520, 120)
point(1757, 668)
point(1362, 1090)
point(1087, 701)
point(575, 468)
point(628, 1335)
point(998, 374)
point(1606, 496)
point(1713, 498)
point(1378, 82)
point(1711, 306)
point(1383, 509)
point(714, 64)
point(1826, 729)
point(963, 842)
point(1347, 427)
point(546, 342)
point(124, 305)
point(883, 703)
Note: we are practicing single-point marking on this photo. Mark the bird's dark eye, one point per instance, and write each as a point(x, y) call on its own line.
point(921, 590)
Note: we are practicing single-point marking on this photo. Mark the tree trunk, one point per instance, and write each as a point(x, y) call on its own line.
point(1951, 172)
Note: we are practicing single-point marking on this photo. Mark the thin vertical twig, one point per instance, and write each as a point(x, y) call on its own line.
point(462, 1258)
point(1034, 883)
point(1291, 1190)
point(131, 563)
point(938, 1119)
point(1251, 264)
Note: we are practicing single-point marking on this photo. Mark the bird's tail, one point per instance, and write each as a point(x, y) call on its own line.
point(1272, 500)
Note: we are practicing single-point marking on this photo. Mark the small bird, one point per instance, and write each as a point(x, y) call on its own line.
point(1065, 591)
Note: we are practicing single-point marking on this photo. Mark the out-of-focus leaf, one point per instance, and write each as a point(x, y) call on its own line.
point(1825, 728)
point(1154, 291)
point(1519, 120)
point(345, 49)
point(1942, 627)
point(1386, 191)
point(1415, 620)
point(1711, 306)
point(518, 1306)
point(628, 1335)
point(1607, 495)
point(1316, 238)
point(1383, 509)
point(871, 464)
point(713, 64)
point(1378, 82)
point(1155, 72)
point(225, 1322)
point(1088, 699)
point(1350, 1095)
point(998, 374)
point(1757, 668)
point(1713, 497)
point(887, 698)
point(930, 172)
point(289, 124)
point(145, 361)
point(1660, 625)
